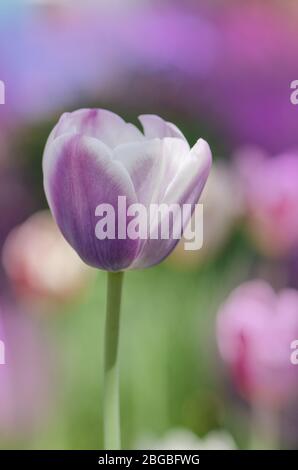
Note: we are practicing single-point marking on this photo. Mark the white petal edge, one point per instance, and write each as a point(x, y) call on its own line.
point(101, 124)
point(196, 165)
point(154, 126)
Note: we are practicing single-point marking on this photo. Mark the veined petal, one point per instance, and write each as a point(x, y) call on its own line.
point(104, 125)
point(79, 174)
point(191, 179)
point(185, 188)
point(142, 160)
point(152, 165)
point(154, 126)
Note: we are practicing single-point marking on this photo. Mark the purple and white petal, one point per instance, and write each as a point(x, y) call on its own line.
point(192, 175)
point(104, 125)
point(154, 126)
point(152, 165)
point(79, 175)
point(143, 162)
point(186, 188)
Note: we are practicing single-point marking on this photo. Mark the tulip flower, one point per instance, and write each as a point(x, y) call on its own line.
point(271, 199)
point(255, 331)
point(92, 159)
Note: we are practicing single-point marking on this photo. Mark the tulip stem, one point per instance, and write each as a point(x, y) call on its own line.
point(111, 370)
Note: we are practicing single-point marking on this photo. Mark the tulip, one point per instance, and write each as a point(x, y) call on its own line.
point(93, 157)
point(271, 199)
point(255, 331)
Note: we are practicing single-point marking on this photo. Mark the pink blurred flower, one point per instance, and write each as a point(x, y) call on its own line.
point(255, 329)
point(271, 194)
point(40, 263)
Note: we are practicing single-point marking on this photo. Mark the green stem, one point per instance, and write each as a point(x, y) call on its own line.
point(111, 373)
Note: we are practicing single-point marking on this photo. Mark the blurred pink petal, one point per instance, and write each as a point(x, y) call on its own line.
point(255, 329)
point(271, 196)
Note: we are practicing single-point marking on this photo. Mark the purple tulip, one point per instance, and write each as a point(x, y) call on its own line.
point(256, 329)
point(93, 157)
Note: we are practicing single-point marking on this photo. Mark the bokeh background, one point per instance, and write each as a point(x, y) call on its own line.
point(221, 70)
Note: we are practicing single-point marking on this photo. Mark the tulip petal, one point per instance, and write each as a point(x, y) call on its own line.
point(142, 162)
point(104, 125)
point(152, 165)
point(154, 126)
point(186, 188)
point(79, 174)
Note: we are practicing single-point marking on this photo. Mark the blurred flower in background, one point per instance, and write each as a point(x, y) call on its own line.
point(255, 329)
point(270, 191)
point(40, 263)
